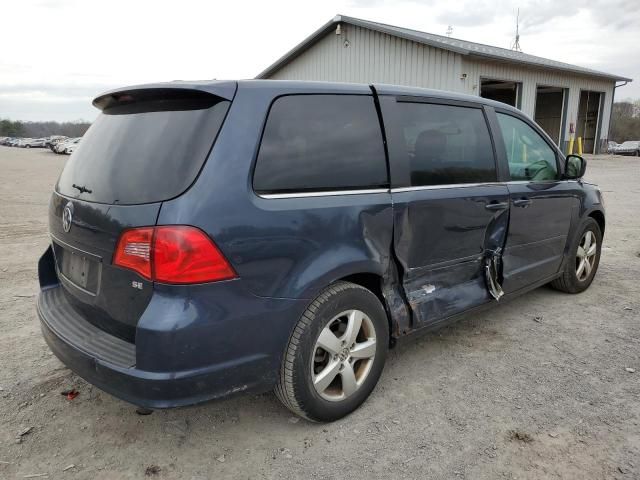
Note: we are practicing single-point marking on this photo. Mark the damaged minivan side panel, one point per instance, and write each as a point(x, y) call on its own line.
point(451, 212)
point(447, 243)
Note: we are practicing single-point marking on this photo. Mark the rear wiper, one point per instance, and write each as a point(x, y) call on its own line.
point(81, 188)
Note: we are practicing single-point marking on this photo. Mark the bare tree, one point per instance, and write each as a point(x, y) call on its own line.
point(625, 121)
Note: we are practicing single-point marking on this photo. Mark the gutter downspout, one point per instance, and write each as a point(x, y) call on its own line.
point(611, 109)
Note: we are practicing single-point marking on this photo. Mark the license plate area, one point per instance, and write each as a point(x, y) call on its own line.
point(79, 268)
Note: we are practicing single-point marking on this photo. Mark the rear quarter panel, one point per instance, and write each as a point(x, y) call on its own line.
point(285, 248)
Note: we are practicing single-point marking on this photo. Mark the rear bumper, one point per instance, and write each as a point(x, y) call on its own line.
point(110, 363)
point(146, 389)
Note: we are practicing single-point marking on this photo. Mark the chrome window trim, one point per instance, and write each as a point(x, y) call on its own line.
point(444, 186)
point(521, 182)
point(329, 193)
point(417, 188)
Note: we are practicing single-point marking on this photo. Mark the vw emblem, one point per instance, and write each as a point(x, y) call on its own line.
point(67, 217)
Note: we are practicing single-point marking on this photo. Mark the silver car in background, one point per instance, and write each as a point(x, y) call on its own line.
point(34, 143)
point(67, 146)
point(630, 147)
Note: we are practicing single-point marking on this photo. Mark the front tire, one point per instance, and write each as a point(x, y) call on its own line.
point(335, 354)
point(581, 267)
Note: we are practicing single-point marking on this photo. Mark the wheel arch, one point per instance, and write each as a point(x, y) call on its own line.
point(370, 281)
point(598, 216)
point(382, 287)
point(363, 274)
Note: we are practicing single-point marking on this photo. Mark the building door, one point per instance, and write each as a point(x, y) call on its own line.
point(501, 91)
point(549, 112)
point(588, 119)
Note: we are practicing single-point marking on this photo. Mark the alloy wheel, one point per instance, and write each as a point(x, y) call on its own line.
point(586, 255)
point(343, 355)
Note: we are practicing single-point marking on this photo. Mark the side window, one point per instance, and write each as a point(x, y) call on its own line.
point(530, 157)
point(446, 144)
point(321, 142)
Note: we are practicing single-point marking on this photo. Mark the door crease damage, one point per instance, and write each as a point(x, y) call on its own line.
point(494, 247)
point(437, 292)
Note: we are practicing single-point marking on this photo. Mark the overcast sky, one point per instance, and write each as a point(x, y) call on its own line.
point(64, 52)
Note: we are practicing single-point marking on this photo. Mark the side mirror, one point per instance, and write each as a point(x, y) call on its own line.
point(574, 167)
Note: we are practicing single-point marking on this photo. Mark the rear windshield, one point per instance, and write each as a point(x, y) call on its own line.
point(143, 150)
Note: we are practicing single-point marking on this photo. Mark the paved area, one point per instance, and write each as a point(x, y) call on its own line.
point(536, 388)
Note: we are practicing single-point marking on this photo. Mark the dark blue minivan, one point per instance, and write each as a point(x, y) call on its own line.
point(209, 238)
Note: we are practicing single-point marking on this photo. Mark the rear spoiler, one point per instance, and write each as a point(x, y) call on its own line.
point(178, 90)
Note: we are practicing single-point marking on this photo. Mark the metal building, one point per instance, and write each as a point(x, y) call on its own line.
point(564, 99)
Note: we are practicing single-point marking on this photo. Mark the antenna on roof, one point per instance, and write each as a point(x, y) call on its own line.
point(449, 30)
point(516, 44)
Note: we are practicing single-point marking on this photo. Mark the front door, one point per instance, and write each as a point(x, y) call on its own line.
point(542, 205)
point(450, 212)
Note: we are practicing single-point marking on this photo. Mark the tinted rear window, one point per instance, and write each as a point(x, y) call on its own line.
point(144, 151)
point(319, 143)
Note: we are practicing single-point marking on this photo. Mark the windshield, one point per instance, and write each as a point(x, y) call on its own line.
point(144, 151)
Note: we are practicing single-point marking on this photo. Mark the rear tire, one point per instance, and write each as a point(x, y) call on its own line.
point(582, 264)
point(335, 354)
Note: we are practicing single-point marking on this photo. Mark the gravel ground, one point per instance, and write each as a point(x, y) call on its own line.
point(535, 388)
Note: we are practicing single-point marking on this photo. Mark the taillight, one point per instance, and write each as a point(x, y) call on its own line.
point(172, 254)
point(134, 251)
point(187, 255)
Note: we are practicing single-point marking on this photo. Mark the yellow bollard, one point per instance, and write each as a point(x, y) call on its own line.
point(579, 145)
point(570, 145)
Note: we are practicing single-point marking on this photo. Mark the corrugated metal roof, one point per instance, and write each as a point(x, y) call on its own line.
point(462, 47)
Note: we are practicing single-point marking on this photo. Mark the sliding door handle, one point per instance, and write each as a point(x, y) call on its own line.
point(522, 202)
point(497, 206)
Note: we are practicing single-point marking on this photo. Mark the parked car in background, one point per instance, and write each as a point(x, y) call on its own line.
point(53, 143)
point(57, 143)
point(630, 147)
point(71, 146)
point(290, 248)
point(611, 146)
point(61, 146)
point(34, 143)
point(53, 139)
